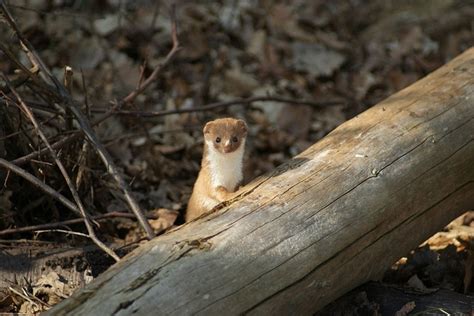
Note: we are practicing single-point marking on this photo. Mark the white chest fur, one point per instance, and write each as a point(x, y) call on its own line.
point(226, 169)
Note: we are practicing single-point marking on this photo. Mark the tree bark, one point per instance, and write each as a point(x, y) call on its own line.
point(332, 218)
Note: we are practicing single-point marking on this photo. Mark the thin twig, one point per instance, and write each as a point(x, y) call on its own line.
point(169, 57)
point(38, 83)
point(25, 241)
point(85, 125)
point(112, 169)
point(59, 144)
point(174, 49)
point(63, 170)
point(142, 74)
point(25, 45)
point(38, 183)
point(208, 107)
point(6, 178)
point(68, 73)
point(27, 296)
point(69, 232)
point(86, 97)
point(129, 98)
point(81, 163)
point(223, 104)
point(10, 231)
point(57, 12)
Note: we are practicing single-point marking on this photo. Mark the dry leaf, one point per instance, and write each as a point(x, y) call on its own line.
point(316, 59)
point(169, 149)
point(295, 120)
point(415, 283)
point(87, 54)
point(107, 24)
point(239, 83)
point(407, 308)
point(283, 20)
point(166, 219)
point(53, 287)
point(256, 45)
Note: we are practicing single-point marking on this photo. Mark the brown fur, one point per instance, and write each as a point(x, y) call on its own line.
point(217, 180)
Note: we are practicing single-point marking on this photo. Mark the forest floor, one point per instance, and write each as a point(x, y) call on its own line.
point(339, 57)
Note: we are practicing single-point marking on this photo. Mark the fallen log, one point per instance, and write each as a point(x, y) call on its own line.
point(330, 219)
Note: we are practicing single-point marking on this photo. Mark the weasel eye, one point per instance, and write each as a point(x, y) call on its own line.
point(218, 140)
point(235, 139)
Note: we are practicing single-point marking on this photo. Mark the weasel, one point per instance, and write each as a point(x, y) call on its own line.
point(221, 166)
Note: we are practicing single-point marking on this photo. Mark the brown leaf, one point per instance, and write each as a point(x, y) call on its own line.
point(256, 45)
point(54, 287)
point(407, 308)
point(169, 149)
point(238, 83)
point(295, 120)
point(284, 21)
point(87, 54)
point(107, 24)
point(316, 59)
point(166, 219)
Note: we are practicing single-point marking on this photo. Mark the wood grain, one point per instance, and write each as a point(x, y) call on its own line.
point(330, 219)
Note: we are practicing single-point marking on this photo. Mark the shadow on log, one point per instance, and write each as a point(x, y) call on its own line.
point(332, 218)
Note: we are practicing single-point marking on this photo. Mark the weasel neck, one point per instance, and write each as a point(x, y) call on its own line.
point(224, 169)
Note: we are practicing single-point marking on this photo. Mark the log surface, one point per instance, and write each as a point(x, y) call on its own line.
point(330, 219)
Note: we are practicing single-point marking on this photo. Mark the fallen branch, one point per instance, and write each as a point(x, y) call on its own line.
point(25, 229)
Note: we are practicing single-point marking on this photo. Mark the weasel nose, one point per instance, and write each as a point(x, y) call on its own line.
point(227, 143)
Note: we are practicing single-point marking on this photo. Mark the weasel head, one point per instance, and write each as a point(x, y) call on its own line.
point(225, 135)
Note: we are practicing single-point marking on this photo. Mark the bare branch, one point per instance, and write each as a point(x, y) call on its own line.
point(63, 170)
point(223, 104)
point(85, 125)
point(66, 223)
point(209, 107)
point(68, 232)
point(38, 183)
point(174, 49)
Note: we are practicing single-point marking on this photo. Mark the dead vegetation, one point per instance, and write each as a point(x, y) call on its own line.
point(120, 90)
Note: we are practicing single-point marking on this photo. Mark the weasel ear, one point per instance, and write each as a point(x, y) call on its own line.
point(242, 125)
point(207, 127)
